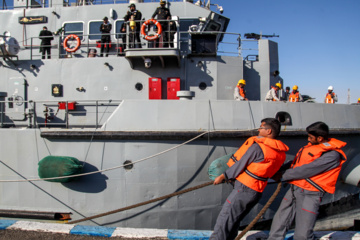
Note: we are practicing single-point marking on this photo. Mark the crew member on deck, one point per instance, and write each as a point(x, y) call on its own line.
point(358, 100)
point(286, 94)
point(239, 91)
point(295, 96)
point(330, 97)
point(258, 159)
point(162, 14)
point(46, 38)
point(273, 93)
point(172, 29)
point(134, 15)
point(313, 172)
point(105, 29)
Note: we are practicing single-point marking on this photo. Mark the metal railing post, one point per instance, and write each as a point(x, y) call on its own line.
point(35, 117)
point(97, 114)
point(66, 115)
point(31, 48)
point(2, 109)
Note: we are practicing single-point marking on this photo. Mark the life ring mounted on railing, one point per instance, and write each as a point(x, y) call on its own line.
point(159, 29)
point(78, 43)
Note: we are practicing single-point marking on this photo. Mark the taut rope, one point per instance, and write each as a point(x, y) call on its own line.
point(143, 203)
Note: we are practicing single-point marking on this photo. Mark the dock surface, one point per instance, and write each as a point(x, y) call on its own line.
point(12, 229)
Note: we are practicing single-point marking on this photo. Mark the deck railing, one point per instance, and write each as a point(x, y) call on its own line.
point(6, 4)
point(122, 42)
point(60, 114)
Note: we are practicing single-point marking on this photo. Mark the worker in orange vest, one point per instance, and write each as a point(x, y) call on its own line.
point(295, 96)
point(330, 97)
point(358, 100)
point(313, 172)
point(258, 159)
point(239, 91)
point(273, 93)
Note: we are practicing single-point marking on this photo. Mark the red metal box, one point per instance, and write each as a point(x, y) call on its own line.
point(173, 85)
point(71, 105)
point(155, 88)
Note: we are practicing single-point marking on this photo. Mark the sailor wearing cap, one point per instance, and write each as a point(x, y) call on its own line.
point(162, 14)
point(134, 16)
point(105, 29)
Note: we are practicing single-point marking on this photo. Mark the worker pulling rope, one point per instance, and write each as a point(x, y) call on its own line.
point(267, 205)
point(144, 203)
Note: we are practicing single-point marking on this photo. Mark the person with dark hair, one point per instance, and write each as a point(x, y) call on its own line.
point(105, 29)
point(286, 94)
point(134, 16)
point(313, 172)
point(45, 46)
point(162, 14)
point(172, 32)
point(258, 159)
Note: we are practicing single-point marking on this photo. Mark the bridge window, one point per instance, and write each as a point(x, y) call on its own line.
point(76, 28)
point(94, 30)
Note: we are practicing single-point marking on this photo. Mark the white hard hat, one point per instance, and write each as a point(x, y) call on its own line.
point(330, 88)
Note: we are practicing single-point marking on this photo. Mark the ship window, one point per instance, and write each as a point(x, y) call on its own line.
point(202, 86)
point(138, 86)
point(94, 30)
point(213, 26)
point(76, 28)
point(284, 118)
point(118, 25)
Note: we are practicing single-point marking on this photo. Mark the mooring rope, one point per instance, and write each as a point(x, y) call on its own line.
point(121, 166)
point(108, 169)
point(267, 205)
point(143, 203)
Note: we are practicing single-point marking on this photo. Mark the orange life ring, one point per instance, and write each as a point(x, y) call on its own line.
point(77, 43)
point(159, 29)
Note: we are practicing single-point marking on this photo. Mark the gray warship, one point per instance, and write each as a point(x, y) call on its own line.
point(164, 112)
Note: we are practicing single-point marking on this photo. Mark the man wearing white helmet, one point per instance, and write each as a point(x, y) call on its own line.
point(330, 97)
point(273, 93)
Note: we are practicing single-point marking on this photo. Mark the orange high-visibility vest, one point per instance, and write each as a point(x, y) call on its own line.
point(242, 91)
point(326, 180)
point(329, 99)
point(256, 174)
point(294, 97)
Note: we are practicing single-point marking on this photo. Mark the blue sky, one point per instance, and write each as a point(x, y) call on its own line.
point(319, 43)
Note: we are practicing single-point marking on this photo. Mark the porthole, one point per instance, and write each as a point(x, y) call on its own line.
point(128, 164)
point(139, 86)
point(202, 86)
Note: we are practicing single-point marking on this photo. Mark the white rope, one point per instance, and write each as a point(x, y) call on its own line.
point(121, 166)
